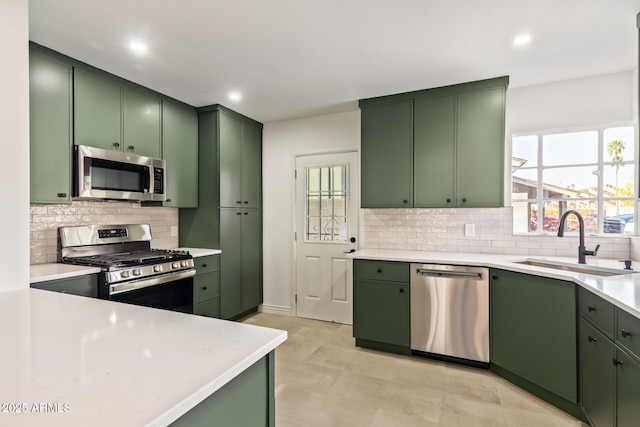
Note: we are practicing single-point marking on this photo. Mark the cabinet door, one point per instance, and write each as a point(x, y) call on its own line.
point(180, 151)
point(141, 124)
point(97, 111)
point(381, 312)
point(480, 148)
point(434, 151)
point(251, 259)
point(387, 155)
point(597, 374)
point(251, 165)
point(50, 130)
point(628, 378)
point(230, 262)
point(230, 148)
point(533, 330)
point(86, 286)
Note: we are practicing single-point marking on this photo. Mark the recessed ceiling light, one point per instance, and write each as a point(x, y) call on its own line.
point(235, 97)
point(521, 40)
point(138, 47)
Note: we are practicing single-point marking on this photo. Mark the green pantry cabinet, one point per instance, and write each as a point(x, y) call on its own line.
point(72, 102)
point(381, 306)
point(610, 363)
point(229, 214)
point(441, 147)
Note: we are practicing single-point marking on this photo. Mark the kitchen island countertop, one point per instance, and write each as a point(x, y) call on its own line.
point(70, 360)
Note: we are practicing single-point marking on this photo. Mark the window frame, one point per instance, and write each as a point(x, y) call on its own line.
point(601, 166)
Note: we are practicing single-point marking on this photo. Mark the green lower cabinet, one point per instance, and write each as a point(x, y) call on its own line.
point(598, 375)
point(206, 286)
point(381, 305)
point(534, 336)
point(86, 286)
point(627, 390)
point(248, 400)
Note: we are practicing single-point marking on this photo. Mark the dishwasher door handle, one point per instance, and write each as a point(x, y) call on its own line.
point(449, 274)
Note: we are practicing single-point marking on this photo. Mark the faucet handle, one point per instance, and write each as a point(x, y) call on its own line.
point(593, 252)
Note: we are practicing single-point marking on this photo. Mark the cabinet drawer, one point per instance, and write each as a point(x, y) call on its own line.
point(86, 286)
point(207, 264)
point(597, 311)
point(628, 331)
point(210, 308)
point(381, 270)
point(205, 287)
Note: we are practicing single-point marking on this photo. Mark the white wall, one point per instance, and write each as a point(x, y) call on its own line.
point(282, 141)
point(604, 99)
point(14, 144)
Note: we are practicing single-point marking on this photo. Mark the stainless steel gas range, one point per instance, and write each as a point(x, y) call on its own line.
point(132, 272)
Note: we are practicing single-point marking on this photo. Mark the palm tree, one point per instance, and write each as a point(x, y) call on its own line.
point(614, 149)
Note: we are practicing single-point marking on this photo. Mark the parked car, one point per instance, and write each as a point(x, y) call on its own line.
point(620, 224)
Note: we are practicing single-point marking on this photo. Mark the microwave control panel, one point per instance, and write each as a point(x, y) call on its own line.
point(158, 180)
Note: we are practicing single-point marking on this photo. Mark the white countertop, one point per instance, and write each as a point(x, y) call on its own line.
point(622, 291)
point(199, 252)
point(113, 364)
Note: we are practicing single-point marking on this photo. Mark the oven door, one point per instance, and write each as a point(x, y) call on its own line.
point(172, 291)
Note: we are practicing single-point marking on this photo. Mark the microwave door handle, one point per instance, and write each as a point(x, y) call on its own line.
point(148, 178)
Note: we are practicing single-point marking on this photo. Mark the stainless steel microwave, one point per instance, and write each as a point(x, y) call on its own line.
point(106, 174)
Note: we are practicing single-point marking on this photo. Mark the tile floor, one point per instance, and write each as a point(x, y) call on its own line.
point(323, 379)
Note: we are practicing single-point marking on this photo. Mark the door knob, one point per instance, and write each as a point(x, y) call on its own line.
point(352, 240)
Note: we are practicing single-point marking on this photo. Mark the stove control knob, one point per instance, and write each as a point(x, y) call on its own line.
point(183, 263)
point(137, 272)
point(157, 268)
point(125, 274)
point(175, 265)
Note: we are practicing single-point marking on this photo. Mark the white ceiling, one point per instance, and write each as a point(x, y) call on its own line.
point(296, 58)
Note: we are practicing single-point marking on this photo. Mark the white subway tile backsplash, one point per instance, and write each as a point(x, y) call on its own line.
point(45, 220)
point(443, 230)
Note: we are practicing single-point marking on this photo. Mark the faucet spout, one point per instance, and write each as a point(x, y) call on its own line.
point(582, 251)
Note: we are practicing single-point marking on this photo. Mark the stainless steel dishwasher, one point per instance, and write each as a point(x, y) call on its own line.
point(450, 313)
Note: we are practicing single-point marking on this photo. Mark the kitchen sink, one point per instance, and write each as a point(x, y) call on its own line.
point(576, 268)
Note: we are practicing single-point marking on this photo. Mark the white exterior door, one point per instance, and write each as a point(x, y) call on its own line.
point(326, 230)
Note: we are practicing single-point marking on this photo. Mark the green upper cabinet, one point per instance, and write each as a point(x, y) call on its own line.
point(97, 111)
point(480, 148)
point(435, 151)
point(386, 154)
point(114, 116)
point(180, 151)
point(50, 107)
point(141, 123)
point(441, 147)
point(240, 162)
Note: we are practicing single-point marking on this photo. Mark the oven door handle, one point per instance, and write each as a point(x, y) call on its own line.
point(132, 285)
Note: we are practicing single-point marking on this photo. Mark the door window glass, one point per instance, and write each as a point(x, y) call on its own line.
point(326, 203)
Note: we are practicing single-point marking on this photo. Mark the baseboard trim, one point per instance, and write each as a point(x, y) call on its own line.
point(275, 309)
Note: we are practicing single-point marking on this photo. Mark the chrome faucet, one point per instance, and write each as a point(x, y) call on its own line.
point(582, 252)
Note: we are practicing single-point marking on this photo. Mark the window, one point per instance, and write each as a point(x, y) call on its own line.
point(326, 203)
point(592, 171)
